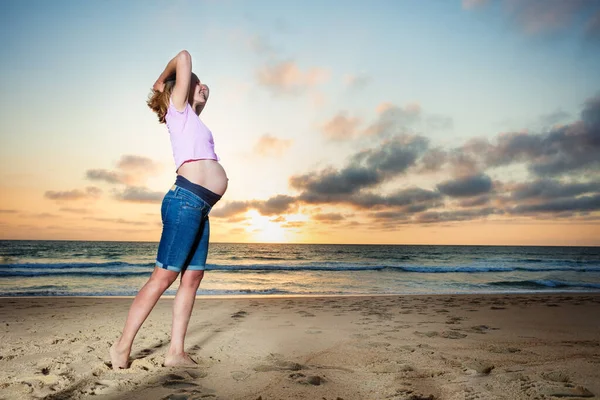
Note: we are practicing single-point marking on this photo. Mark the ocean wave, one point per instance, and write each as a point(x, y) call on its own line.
point(67, 265)
point(108, 269)
point(545, 283)
point(59, 291)
point(74, 274)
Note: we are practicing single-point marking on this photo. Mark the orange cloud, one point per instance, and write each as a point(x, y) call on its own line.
point(269, 145)
point(341, 127)
point(287, 78)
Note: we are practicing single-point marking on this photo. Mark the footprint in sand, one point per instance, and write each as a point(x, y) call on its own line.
point(239, 375)
point(453, 320)
point(314, 380)
point(313, 331)
point(305, 314)
point(279, 365)
point(452, 335)
point(239, 314)
point(480, 329)
point(480, 367)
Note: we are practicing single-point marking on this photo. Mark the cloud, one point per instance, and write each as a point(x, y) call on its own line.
point(466, 186)
point(131, 170)
point(575, 204)
point(366, 169)
point(229, 209)
point(90, 192)
point(547, 189)
point(469, 194)
point(393, 120)
point(556, 151)
point(460, 215)
point(105, 175)
point(475, 201)
point(544, 17)
point(130, 162)
point(74, 210)
point(287, 79)
point(271, 146)
point(328, 217)
point(135, 194)
point(278, 204)
point(341, 127)
point(8, 211)
point(275, 205)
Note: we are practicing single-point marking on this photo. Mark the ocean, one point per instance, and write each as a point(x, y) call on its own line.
point(86, 268)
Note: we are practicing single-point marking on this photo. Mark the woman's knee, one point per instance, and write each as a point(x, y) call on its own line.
point(163, 278)
point(191, 278)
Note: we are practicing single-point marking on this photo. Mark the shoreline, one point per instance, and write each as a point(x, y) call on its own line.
point(284, 296)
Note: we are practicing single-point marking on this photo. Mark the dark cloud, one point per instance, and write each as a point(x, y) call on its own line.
point(459, 215)
point(229, 209)
point(104, 175)
point(411, 199)
point(391, 216)
point(132, 170)
point(365, 169)
point(275, 205)
point(558, 151)
point(475, 201)
point(328, 217)
point(90, 192)
point(580, 204)
point(432, 160)
point(552, 189)
point(136, 194)
point(466, 186)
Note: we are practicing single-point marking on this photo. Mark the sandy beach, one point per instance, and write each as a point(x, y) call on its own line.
point(513, 346)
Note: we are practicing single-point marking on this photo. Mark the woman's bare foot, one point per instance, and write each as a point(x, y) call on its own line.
point(179, 360)
point(119, 357)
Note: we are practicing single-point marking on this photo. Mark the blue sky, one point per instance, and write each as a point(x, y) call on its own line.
point(297, 88)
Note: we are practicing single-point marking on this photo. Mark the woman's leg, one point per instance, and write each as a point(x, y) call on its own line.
point(182, 311)
point(191, 277)
point(144, 302)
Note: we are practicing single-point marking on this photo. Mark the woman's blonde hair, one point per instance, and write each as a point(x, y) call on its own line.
point(159, 101)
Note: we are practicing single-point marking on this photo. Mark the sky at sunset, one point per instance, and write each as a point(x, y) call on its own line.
point(401, 122)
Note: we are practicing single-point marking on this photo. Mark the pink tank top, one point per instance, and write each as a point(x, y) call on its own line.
point(190, 138)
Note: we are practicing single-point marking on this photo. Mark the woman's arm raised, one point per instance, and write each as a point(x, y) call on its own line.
point(181, 65)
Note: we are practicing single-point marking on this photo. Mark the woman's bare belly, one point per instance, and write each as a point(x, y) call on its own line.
point(207, 173)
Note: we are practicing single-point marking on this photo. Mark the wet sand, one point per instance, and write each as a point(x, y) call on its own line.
point(513, 346)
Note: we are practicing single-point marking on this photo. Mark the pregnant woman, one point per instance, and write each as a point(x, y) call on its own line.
point(178, 97)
